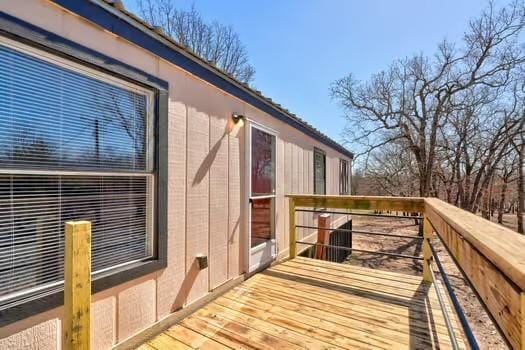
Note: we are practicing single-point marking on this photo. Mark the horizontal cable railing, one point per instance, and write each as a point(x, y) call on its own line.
point(371, 233)
point(457, 306)
point(320, 245)
point(493, 267)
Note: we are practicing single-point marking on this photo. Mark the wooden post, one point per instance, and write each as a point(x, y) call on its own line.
point(293, 231)
point(77, 285)
point(427, 252)
point(323, 236)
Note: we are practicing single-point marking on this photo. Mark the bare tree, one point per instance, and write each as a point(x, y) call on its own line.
point(508, 168)
point(216, 43)
point(415, 98)
point(519, 145)
point(393, 171)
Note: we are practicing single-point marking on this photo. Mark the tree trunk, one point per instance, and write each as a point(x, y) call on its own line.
point(501, 206)
point(491, 200)
point(521, 189)
point(485, 206)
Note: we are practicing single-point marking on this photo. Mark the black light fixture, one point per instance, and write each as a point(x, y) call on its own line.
point(237, 117)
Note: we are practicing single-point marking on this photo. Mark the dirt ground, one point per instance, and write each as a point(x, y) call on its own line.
point(486, 333)
point(509, 221)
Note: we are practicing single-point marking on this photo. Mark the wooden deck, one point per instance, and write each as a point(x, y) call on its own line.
point(312, 304)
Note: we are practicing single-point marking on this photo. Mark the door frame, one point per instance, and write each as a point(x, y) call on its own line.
point(271, 246)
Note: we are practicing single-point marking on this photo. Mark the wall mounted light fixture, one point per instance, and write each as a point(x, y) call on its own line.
point(236, 124)
point(237, 117)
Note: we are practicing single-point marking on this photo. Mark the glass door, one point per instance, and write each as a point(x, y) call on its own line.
point(262, 197)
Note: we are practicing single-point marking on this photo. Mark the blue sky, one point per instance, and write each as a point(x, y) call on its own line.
point(299, 47)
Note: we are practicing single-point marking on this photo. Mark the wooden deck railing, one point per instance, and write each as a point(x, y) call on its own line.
point(491, 257)
point(77, 285)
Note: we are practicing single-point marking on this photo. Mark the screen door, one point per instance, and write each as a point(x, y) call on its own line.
point(262, 197)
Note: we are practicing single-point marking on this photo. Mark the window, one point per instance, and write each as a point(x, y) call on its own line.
point(262, 196)
point(319, 171)
point(75, 144)
point(343, 176)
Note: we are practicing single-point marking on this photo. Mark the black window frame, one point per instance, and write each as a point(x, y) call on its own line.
point(318, 151)
point(344, 188)
point(28, 34)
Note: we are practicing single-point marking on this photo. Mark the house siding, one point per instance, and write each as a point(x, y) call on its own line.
point(206, 191)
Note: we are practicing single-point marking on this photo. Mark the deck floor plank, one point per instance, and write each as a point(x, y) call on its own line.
point(194, 339)
point(164, 341)
point(312, 304)
point(364, 323)
point(348, 316)
point(350, 301)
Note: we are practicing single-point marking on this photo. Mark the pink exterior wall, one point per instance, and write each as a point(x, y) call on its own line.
point(206, 211)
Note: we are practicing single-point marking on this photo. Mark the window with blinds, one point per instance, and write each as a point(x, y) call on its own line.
point(319, 172)
point(343, 176)
point(75, 144)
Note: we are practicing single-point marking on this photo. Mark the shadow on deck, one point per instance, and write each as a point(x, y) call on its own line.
point(313, 304)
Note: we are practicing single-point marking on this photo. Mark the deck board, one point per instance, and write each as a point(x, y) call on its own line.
point(312, 304)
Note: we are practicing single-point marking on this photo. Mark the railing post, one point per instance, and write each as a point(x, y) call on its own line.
point(427, 252)
point(323, 236)
point(77, 285)
point(293, 231)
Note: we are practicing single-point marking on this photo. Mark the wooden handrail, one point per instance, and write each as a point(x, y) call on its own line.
point(77, 285)
point(427, 251)
point(502, 246)
point(491, 256)
point(407, 204)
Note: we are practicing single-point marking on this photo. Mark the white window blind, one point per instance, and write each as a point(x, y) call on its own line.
point(75, 144)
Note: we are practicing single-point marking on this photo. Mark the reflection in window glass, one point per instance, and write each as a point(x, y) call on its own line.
point(343, 176)
point(55, 118)
point(262, 221)
point(263, 163)
point(72, 147)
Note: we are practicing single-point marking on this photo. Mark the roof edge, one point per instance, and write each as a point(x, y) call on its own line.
point(89, 12)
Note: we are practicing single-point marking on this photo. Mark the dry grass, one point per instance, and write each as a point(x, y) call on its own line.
point(509, 221)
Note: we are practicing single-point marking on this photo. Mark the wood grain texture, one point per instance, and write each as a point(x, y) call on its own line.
point(503, 247)
point(313, 304)
point(160, 326)
point(77, 285)
point(497, 291)
point(409, 204)
point(427, 252)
